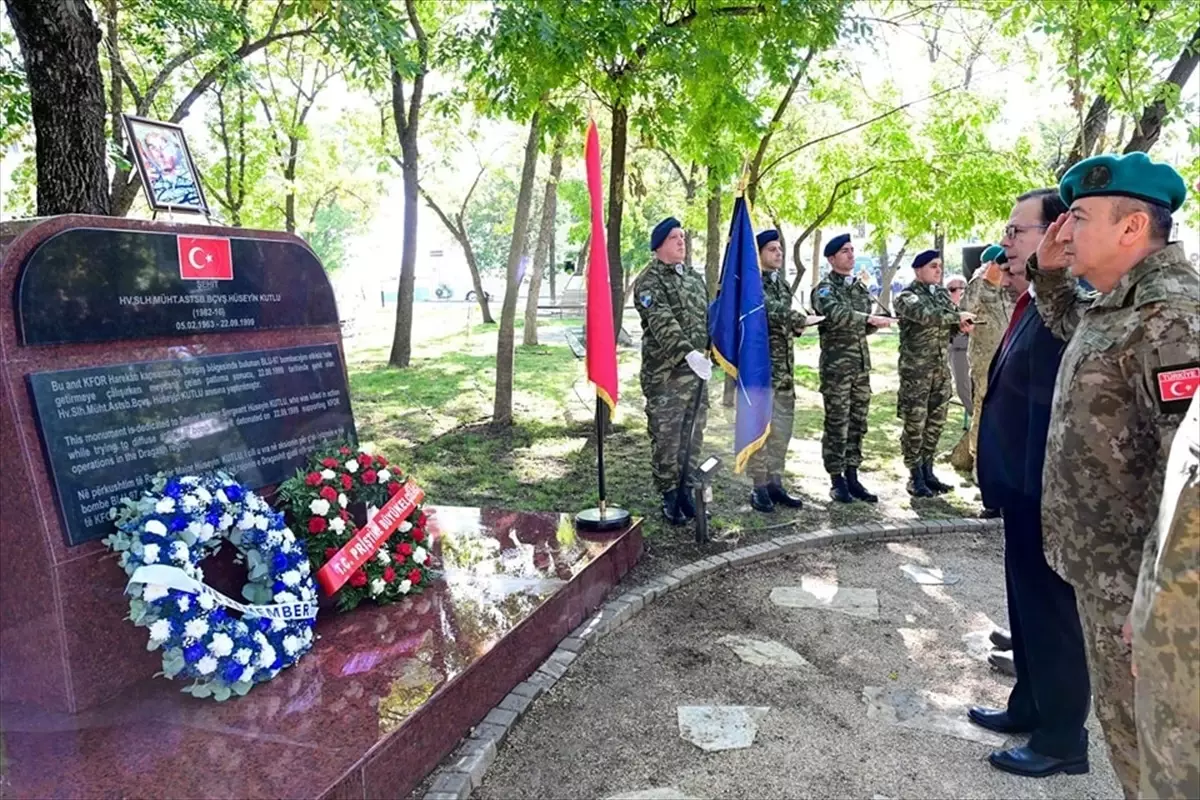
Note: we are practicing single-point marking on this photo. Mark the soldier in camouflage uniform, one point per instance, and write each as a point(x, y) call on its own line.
point(992, 305)
point(1166, 630)
point(672, 302)
point(783, 324)
point(845, 368)
point(928, 318)
point(1121, 393)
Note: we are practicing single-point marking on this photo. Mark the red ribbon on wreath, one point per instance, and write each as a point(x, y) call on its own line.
point(369, 538)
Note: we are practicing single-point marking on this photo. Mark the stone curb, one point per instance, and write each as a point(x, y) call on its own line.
point(463, 771)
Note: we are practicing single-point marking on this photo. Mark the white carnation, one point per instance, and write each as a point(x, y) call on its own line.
point(206, 665)
point(155, 527)
point(247, 675)
point(304, 568)
point(221, 645)
point(242, 656)
point(184, 602)
point(261, 522)
point(384, 476)
point(165, 505)
point(225, 522)
point(290, 578)
point(285, 597)
point(195, 628)
point(267, 657)
point(342, 499)
point(405, 526)
point(319, 507)
point(204, 495)
point(153, 591)
point(150, 553)
point(292, 645)
point(382, 557)
point(352, 466)
point(206, 601)
point(420, 555)
point(377, 586)
point(190, 503)
point(274, 538)
point(246, 522)
point(405, 585)
point(190, 480)
point(328, 474)
point(160, 630)
point(287, 535)
point(179, 552)
point(222, 497)
point(206, 532)
point(337, 524)
point(277, 625)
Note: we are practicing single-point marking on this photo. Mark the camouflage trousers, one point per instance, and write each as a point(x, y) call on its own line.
point(847, 399)
point(668, 418)
point(768, 461)
point(1167, 695)
point(979, 385)
point(1110, 661)
point(922, 404)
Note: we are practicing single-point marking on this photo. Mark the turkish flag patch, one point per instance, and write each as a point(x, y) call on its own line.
point(1176, 385)
point(205, 258)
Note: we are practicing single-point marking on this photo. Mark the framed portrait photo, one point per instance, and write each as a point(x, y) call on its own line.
point(165, 165)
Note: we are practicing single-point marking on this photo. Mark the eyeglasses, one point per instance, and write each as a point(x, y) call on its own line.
point(956, 288)
point(1011, 231)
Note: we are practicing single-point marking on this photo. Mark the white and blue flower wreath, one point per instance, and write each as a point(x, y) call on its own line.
point(162, 538)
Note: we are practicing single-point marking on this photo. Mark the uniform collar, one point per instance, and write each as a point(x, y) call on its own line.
point(1171, 254)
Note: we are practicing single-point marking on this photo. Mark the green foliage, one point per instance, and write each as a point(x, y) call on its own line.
point(15, 112)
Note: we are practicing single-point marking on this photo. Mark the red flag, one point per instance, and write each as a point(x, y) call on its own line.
point(601, 339)
point(205, 258)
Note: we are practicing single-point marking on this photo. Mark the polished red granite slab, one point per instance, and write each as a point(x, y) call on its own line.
point(383, 697)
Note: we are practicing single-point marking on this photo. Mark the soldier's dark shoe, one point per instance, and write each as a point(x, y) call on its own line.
point(933, 483)
point(1001, 640)
point(996, 719)
point(1031, 764)
point(760, 500)
point(857, 489)
point(840, 490)
point(989, 513)
point(779, 495)
point(1003, 663)
point(687, 503)
point(916, 483)
point(670, 508)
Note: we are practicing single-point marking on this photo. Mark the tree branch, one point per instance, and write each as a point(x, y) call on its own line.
point(455, 231)
point(776, 118)
point(1149, 125)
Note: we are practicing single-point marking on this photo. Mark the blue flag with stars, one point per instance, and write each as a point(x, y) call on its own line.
point(737, 323)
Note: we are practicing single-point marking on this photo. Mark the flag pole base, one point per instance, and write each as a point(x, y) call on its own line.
point(607, 519)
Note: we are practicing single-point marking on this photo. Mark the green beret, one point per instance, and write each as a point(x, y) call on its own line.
point(1131, 175)
point(990, 253)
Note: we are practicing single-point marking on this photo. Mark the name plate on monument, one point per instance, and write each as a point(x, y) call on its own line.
point(105, 284)
point(257, 415)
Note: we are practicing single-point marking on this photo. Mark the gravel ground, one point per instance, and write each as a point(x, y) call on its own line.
point(609, 726)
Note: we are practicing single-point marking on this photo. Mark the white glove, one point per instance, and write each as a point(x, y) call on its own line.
point(699, 364)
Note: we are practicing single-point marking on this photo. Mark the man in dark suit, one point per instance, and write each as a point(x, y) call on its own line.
point(1050, 699)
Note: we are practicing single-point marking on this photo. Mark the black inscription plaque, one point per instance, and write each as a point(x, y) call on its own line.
point(257, 415)
point(102, 284)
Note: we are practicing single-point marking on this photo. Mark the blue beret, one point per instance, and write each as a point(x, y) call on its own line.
point(990, 253)
point(766, 237)
point(661, 230)
point(835, 244)
point(1132, 175)
point(925, 257)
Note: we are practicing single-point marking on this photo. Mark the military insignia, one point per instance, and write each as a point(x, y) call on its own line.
point(1175, 386)
point(824, 291)
point(909, 299)
point(679, 269)
point(849, 279)
point(645, 299)
point(1097, 177)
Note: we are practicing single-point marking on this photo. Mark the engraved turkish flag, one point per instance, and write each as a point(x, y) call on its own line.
point(1178, 384)
point(205, 258)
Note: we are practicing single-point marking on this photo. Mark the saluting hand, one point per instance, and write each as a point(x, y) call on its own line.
point(1051, 253)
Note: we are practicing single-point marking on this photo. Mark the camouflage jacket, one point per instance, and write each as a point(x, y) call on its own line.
point(993, 306)
point(928, 318)
point(784, 323)
point(1130, 362)
point(845, 303)
point(672, 302)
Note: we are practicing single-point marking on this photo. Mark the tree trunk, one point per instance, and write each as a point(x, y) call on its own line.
point(1149, 126)
point(289, 178)
point(816, 257)
point(616, 205)
point(1093, 126)
point(502, 415)
point(60, 45)
point(406, 126)
point(544, 244)
point(939, 241)
point(481, 297)
point(712, 237)
point(887, 273)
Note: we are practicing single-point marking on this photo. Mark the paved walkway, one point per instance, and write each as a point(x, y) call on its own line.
point(834, 673)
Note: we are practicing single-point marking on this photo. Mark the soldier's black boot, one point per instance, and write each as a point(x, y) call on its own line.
point(916, 483)
point(670, 508)
point(760, 500)
point(856, 488)
point(933, 483)
point(840, 490)
point(779, 495)
point(687, 503)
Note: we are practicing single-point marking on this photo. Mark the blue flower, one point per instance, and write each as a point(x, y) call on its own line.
point(213, 517)
point(279, 586)
point(263, 623)
point(177, 523)
point(193, 653)
point(173, 489)
point(233, 492)
point(280, 563)
point(231, 671)
point(219, 615)
point(278, 663)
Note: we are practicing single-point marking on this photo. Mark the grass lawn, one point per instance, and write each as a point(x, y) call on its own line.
point(433, 420)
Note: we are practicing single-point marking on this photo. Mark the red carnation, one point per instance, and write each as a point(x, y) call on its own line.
point(380, 461)
point(369, 476)
point(344, 450)
point(329, 493)
point(389, 575)
point(398, 558)
point(404, 549)
point(329, 463)
point(364, 458)
point(317, 524)
point(313, 479)
point(393, 487)
point(359, 578)
point(330, 552)
point(418, 535)
point(420, 523)
point(414, 576)
point(346, 482)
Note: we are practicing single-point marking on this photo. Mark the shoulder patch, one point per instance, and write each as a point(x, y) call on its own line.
point(908, 299)
point(1175, 385)
point(824, 291)
point(646, 299)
